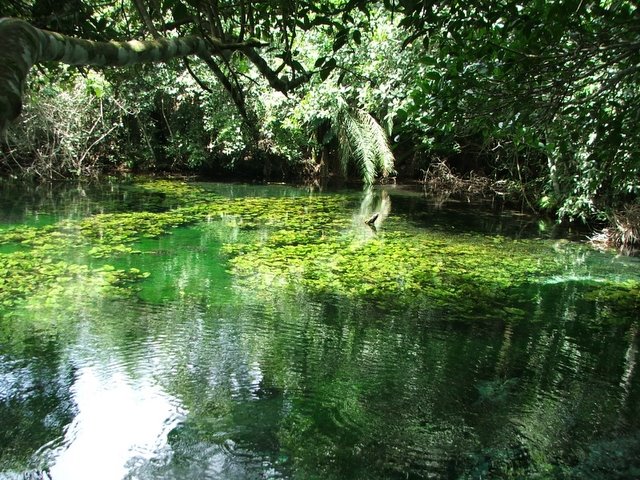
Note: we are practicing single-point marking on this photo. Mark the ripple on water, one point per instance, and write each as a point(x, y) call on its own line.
point(118, 419)
point(123, 410)
point(237, 390)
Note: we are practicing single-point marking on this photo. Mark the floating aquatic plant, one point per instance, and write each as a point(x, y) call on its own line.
point(453, 273)
point(305, 243)
point(617, 299)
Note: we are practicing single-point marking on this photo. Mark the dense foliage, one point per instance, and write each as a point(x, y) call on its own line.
point(542, 96)
point(550, 89)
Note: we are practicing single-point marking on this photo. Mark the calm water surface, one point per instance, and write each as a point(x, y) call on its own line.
point(196, 378)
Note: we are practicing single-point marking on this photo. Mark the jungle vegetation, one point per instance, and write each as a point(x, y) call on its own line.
point(537, 101)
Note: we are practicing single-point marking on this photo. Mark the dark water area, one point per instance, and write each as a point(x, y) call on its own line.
point(208, 372)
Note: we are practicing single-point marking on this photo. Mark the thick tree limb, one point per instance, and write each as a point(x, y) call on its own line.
point(146, 18)
point(282, 85)
point(23, 45)
point(236, 95)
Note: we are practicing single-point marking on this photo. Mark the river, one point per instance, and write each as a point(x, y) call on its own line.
point(174, 330)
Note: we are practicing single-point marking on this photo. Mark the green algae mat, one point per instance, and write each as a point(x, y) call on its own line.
point(306, 242)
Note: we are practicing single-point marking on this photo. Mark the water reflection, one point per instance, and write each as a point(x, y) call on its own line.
point(199, 377)
point(35, 402)
point(375, 207)
point(303, 387)
point(117, 425)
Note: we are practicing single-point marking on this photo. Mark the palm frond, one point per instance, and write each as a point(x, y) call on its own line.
point(362, 140)
point(379, 142)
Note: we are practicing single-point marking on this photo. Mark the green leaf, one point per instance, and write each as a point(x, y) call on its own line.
point(180, 12)
point(340, 41)
point(331, 64)
point(325, 72)
point(320, 62)
point(298, 66)
point(321, 20)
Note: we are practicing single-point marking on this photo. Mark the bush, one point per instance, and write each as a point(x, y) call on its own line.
point(62, 129)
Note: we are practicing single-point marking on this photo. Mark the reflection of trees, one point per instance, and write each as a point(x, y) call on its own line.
point(341, 389)
point(568, 365)
point(472, 217)
point(22, 202)
point(374, 200)
point(334, 388)
point(423, 390)
point(35, 402)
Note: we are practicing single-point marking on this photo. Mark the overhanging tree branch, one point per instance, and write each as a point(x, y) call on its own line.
point(236, 94)
point(23, 45)
point(146, 18)
point(283, 85)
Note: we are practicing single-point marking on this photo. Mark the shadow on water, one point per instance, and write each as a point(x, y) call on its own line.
point(477, 215)
point(207, 374)
point(39, 204)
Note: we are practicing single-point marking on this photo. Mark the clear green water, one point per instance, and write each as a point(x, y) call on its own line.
point(280, 337)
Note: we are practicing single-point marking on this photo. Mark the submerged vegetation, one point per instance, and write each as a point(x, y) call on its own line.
point(459, 273)
point(312, 243)
point(273, 331)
